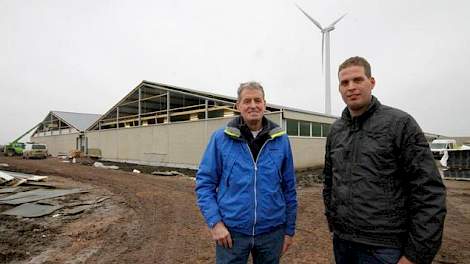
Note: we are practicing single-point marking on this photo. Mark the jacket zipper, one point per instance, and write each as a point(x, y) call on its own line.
point(351, 165)
point(255, 163)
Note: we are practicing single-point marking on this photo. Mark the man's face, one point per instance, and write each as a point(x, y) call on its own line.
point(355, 88)
point(251, 105)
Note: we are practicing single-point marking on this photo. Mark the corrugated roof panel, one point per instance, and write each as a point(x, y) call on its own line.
point(80, 121)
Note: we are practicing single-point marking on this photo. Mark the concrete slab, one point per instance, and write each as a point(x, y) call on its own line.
point(9, 189)
point(36, 195)
point(32, 210)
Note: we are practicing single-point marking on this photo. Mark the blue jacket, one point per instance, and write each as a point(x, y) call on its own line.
point(247, 196)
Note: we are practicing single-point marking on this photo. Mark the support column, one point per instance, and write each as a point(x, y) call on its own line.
point(140, 105)
point(168, 107)
point(117, 117)
point(50, 125)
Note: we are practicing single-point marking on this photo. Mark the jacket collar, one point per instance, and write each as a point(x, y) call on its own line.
point(234, 127)
point(373, 106)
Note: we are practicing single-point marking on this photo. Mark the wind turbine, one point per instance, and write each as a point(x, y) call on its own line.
point(325, 56)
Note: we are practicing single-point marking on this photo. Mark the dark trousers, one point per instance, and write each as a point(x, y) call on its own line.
point(265, 248)
point(348, 252)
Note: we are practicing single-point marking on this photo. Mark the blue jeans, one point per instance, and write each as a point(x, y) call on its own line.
point(264, 248)
point(348, 252)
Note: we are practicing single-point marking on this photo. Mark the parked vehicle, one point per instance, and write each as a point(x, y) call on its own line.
point(15, 147)
point(465, 146)
point(34, 150)
point(439, 146)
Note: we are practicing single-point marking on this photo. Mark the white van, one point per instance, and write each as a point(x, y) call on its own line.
point(34, 150)
point(438, 146)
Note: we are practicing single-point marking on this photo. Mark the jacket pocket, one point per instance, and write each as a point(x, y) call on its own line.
point(227, 172)
point(269, 171)
point(279, 174)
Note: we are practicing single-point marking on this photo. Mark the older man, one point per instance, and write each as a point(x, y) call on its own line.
point(245, 185)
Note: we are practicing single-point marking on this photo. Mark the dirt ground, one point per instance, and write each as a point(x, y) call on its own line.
point(154, 219)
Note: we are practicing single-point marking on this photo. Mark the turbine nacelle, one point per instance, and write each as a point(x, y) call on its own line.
point(316, 23)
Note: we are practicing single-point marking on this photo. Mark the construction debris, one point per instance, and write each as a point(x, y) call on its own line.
point(101, 165)
point(75, 153)
point(32, 210)
point(35, 178)
point(87, 161)
point(8, 180)
point(77, 210)
point(5, 178)
point(39, 184)
point(30, 203)
point(36, 195)
point(16, 182)
point(94, 153)
point(457, 164)
point(82, 206)
point(168, 173)
point(62, 156)
point(9, 190)
point(14, 179)
point(96, 201)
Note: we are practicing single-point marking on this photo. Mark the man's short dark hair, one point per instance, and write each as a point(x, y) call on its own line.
point(356, 61)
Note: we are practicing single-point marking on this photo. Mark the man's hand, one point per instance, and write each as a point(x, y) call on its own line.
point(288, 240)
point(404, 260)
point(220, 234)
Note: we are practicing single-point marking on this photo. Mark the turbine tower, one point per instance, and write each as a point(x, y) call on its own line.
point(325, 56)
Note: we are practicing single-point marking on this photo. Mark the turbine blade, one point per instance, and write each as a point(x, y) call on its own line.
point(310, 18)
point(336, 21)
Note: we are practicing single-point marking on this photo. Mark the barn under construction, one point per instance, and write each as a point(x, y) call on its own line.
point(163, 125)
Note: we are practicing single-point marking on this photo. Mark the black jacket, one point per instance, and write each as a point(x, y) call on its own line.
point(382, 186)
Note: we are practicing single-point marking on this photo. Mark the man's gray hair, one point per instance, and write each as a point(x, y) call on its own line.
point(249, 85)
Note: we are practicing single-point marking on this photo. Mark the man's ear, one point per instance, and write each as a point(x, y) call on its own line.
point(372, 81)
point(236, 106)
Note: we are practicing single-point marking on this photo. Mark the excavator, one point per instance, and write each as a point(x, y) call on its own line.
point(15, 147)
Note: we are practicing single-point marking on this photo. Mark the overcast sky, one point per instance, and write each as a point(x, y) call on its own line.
point(84, 56)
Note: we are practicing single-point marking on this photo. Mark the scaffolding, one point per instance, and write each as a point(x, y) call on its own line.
point(152, 104)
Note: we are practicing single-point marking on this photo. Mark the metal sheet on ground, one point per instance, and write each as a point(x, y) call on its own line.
point(32, 210)
point(5, 177)
point(77, 209)
point(39, 184)
point(92, 202)
point(36, 195)
point(9, 190)
point(29, 177)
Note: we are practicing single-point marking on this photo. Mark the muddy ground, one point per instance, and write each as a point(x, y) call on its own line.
point(154, 219)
